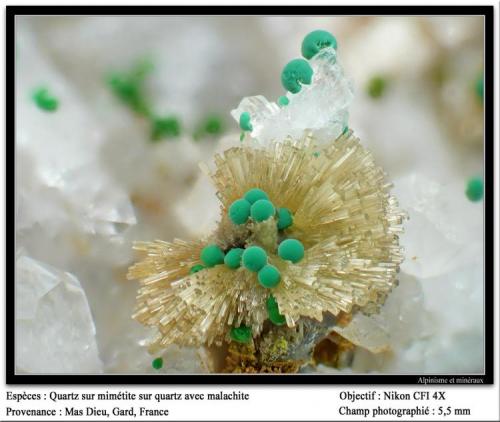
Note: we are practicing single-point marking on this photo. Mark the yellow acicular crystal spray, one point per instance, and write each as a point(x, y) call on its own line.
point(308, 231)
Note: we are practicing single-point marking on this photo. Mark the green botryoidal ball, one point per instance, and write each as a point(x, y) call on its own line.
point(273, 311)
point(315, 41)
point(475, 189)
point(212, 255)
point(45, 100)
point(376, 86)
point(233, 258)
point(291, 250)
point(269, 276)
point(212, 125)
point(262, 209)
point(283, 100)
point(296, 73)
point(157, 363)
point(285, 218)
point(245, 123)
point(254, 258)
point(239, 211)
point(479, 87)
point(128, 89)
point(128, 86)
point(241, 334)
point(165, 127)
point(195, 268)
point(255, 194)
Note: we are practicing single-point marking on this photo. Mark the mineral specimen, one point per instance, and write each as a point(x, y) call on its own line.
point(308, 232)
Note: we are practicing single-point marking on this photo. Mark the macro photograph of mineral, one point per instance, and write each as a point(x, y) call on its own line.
point(249, 195)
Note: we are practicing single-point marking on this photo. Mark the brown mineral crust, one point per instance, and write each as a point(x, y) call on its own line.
point(344, 318)
point(243, 359)
point(329, 350)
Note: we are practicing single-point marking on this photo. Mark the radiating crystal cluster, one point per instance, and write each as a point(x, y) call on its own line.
point(303, 158)
point(343, 214)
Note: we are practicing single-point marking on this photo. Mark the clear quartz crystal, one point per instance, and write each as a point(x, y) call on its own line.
point(320, 108)
point(55, 332)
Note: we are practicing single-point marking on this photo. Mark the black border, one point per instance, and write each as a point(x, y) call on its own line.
point(362, 379)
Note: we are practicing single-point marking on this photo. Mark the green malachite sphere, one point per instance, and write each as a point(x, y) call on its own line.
point(269, 276)
point(241, 334)
point(291, 250)
point(196, 268)
point(165, 127)
point(44, 100)
point(295, 73)
point(212, 255)
point(213, 125)
point(283, 101)
point(157, 363)
point(254, 258)
point(475, 189)
point(376, 86)
point(315, 41)
point(233, 258)
point(262, 210)
point(479, 87)
point(285, 218)
point(245, 123)
point(239, 211)
point(273, 311)
point(255, 194)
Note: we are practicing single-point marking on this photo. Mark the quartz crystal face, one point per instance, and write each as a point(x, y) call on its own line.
point(308, 234)
point(320, 108)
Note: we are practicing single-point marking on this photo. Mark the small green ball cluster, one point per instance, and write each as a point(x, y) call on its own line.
point(256, 204)
point(129, 87)
point(299, 72)
point(254, 259)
